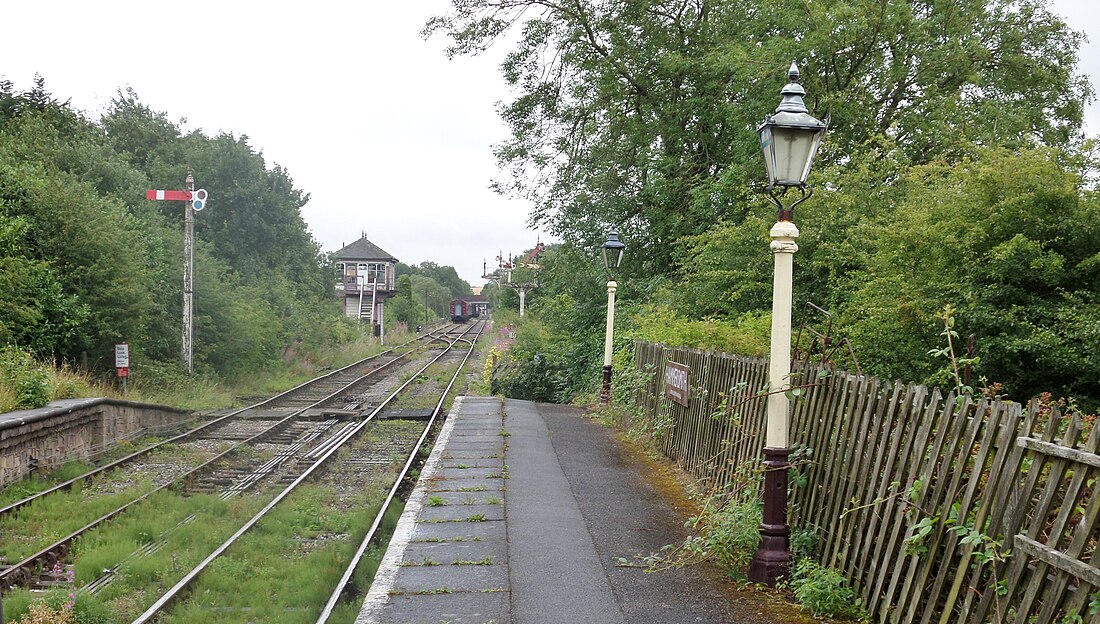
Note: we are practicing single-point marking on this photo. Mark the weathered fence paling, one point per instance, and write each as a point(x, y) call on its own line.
point(1009, 496)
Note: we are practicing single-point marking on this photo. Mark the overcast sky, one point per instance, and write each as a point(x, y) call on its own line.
point(387, 135)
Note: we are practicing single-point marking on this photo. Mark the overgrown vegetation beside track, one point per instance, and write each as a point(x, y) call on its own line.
point(62, 513)
point(292, 559)
point(298, 552)
point(201, 391)
point(141, 579)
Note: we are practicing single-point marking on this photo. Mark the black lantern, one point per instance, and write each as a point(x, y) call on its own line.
point(790, 138)
point(613, 252)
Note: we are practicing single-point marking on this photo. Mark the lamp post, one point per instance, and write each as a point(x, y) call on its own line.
point(789, 140)
point(612, 259)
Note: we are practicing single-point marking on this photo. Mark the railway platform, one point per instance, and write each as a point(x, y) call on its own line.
point(530, 513)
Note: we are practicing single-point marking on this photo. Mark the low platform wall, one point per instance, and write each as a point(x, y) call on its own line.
point(76, 429)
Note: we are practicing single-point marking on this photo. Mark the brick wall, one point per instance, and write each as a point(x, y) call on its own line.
point(76, 429)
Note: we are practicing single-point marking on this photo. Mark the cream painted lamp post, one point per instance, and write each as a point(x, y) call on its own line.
point(612, 258)
point(789, 139)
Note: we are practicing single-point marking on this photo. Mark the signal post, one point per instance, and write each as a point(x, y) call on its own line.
point(194, 201)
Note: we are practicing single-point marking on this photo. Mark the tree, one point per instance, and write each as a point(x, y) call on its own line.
point(86, 261)
point(446, 276)
point(639, 115)
point(92, 293)
point(419, 299)
point(1009, 240)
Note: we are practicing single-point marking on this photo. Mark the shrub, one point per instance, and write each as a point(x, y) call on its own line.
point(27, 380)
point(732, 534)
point(729, 528)
point(747, 334)
point(824, 591)
point(41, 613)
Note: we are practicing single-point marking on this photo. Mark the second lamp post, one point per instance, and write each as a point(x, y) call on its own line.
point(612, 258)
point(789, 140)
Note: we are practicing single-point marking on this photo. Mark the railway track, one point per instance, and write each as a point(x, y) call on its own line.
point(200, 459)
point(293, 442)
point(328, 459)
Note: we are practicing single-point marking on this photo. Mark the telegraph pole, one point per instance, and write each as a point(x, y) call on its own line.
point(188, 273)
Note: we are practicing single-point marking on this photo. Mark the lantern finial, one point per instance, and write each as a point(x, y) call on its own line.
point(792, 94)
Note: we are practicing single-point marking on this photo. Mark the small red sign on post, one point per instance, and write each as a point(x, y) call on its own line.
point(677, 387)
point(123, 371)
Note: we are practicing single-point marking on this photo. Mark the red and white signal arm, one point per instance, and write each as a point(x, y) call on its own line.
point(122, 359)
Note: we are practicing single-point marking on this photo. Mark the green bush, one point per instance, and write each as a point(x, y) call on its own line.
point(824, 591)
point(729, 528)
point(747, 334)
point(733, 534)
point(28, 380)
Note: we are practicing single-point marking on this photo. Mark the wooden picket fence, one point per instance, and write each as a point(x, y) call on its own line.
point(936, 509)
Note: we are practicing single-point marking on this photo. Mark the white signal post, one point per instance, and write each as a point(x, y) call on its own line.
point(188, 275)
point(194, 202)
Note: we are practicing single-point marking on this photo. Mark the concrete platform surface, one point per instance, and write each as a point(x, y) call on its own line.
point(530, 513)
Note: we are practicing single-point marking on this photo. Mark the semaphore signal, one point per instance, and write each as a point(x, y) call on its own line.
point(196, 201)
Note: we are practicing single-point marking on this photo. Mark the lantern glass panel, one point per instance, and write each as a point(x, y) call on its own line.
point(767, 146)
point(793, 149)
point(612, 257)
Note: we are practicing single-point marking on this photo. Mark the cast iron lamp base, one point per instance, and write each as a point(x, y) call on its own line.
point(605, 391)
point(772, 559)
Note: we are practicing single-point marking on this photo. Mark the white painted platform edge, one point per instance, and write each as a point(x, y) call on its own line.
point(384, 578)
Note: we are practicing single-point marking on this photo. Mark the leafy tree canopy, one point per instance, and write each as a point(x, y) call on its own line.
point(442, 275)
point(640, 115)
point(86, 261)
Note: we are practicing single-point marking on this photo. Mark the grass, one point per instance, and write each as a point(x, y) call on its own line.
point(48, 520)
point(293, 555)
point(28, 487)
point(164, 384)
point(488, 560)
point(284, 570)
point(45, 521)
point(142, 579)
point(62, 381)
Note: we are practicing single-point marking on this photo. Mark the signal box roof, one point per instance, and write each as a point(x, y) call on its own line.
point(363, 249)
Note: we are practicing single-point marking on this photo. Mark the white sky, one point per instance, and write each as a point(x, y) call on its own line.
point(385, 133)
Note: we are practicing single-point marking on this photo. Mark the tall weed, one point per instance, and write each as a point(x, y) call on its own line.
point(26, 380)
point(824, 592)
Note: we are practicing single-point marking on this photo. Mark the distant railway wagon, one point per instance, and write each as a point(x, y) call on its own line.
point(468, 307)
point(461, 310)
